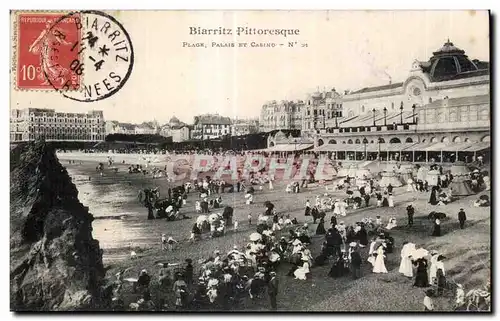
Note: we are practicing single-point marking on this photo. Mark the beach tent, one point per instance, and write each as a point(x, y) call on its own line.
point(422, 173)
point(406, 172)
point(390, 178)
point(432, 177)
point(461, 183)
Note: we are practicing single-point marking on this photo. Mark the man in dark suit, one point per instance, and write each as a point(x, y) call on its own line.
point(273, 290)
point(462, 218)
point(410, 210)
point(355, 261)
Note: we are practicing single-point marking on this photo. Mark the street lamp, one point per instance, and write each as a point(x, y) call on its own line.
point(385, 116)
point(401, 108)
point(413, 108)
point(374, 116)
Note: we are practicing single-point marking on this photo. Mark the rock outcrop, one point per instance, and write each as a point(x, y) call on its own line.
point(55, 263)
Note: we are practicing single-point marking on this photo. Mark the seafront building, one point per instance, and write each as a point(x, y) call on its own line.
point(34, 123)
point(210, 126)
point(440, 112)
point(281, 115)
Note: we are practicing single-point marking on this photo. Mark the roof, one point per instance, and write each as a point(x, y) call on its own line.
point(289, 147)
point(377, 88)
point(209, 119)
point(127, 126)
point(471, 100)
point(388, 147)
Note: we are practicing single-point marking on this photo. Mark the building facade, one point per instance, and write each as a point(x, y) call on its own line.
point(35, 123)
point(210, 126)
point(147, 128)
point(445, 99)
point(281, 115)
point(114, 127)
point(320, 110)
point(240, 127)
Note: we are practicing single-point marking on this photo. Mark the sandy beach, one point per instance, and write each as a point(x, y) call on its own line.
point(121, 226)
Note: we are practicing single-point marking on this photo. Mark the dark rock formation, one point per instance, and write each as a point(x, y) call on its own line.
point(55, 264)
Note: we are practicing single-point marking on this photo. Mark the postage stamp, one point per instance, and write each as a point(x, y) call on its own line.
point(58, 51)
point(41, 64)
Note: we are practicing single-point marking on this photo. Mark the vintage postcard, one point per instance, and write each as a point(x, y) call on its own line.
point(250, 161)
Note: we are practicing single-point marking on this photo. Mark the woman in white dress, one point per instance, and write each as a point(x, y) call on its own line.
point(336, 207)
point(435, 265)
point(406, 267)
point(392, 224)
point(342, 208)
point(379, 266)
point(301, 272)
point(390, 200)
point(371, 256)
point(410, 187)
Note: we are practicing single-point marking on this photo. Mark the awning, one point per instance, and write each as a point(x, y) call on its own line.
point(457, 147)
point(289, 147)
point(397, 147)
point(477, 147)
point(436, 147)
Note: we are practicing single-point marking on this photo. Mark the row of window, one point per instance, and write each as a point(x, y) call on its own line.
point(65, 120)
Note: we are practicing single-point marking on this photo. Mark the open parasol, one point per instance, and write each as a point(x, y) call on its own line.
point(255, 237)
point(200, 219)
point(213, 217)
point(419, 254)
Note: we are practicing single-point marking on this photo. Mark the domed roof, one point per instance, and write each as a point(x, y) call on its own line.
point(449, 49)
point(280, 135)
point(174, 120)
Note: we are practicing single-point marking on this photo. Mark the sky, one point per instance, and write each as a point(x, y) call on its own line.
point(345, 50)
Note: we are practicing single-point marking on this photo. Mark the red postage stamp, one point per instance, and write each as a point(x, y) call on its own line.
point(46, 44)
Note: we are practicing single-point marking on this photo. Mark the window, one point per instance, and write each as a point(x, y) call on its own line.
point(465, 64)
point(358, 141)
point(445, 67)
point(349, 141)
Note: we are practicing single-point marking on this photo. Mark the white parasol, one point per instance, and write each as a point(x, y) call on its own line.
point(419, 253)
point(255, 237)
point(201, 219)
point(213, 217)
point(169, 209)
point(131, 280)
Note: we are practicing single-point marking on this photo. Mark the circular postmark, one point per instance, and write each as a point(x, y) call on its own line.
point(97, 64)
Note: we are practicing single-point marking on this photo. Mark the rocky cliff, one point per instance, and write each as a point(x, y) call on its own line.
point(55, 264)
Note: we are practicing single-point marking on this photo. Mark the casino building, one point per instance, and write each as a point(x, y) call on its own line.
point(33, 123)
point(440, 112)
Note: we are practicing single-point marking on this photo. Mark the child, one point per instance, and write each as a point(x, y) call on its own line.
point(250, 219)
point(163, 242)
point(235, 225)
point(170, 243)
point(428, 303)
point(378, 221)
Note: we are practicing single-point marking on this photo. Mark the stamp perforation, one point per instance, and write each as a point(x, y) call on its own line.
point(16, 26)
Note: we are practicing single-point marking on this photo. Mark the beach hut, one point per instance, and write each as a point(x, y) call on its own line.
point(432, 177)
point(406, 172)
point(390, 178)
point(362, 176)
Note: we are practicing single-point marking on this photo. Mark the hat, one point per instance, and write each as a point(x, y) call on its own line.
point(235, 247)
point(434, 252)
point(216, 252)
point(460, 285)
point(272, 273)
point(353, 244)
point(144, 271)
point(189, 261)
point(305, 225)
